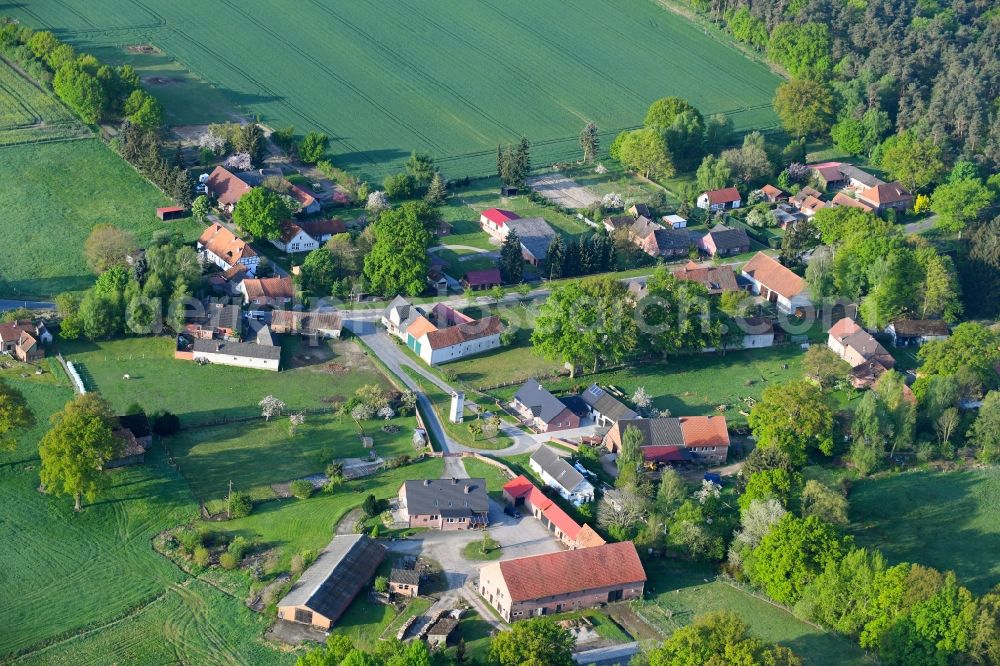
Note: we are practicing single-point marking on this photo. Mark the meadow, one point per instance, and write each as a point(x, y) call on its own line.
point(53, 194)
point(946, 520)
point(383, 88)
point(31, 114)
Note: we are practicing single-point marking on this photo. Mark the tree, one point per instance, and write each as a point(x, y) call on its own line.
point(870, 434)
point(14, 415)
point(845, 596)
point(804, 50)
point(261, 212)
point(630, 458)
point(959, 204)
point(437, 191)
point(555, 258)
point(270, 406)
point(777, 484)
point(935, 628)
point(81, 91)
point(805, 107)
point(421, 167)
point(713, 174)
point(319, 272)
point(644, 151)
point(825, 503)
point(535, 642)
point(980, 269)
point(107, 246)
point(671, 492)
point(984, 644)
point(590, 142)
point(749, 163)
point(792, 555)
point(939, 293)
point(719, 638)
point(821, 364)
point(397, 263)
point(663, 112)
point(795, 418)
point(101, 315)
point(756, 521)
point(399, 186)
point(76, 448)
point(970, 345)
point(313, 146)
point(200, 207)
point(678, 316)
point(144, 111)
point(249, 138)
point(511, 261)
point(620, 510)
point(377, 203)
point(718, 132)
point(898, 405)
point(914, 162)
point(984, 434)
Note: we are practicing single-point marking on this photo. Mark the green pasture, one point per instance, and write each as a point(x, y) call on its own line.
point(29, 113)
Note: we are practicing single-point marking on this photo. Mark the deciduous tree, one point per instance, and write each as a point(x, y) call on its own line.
point(107, 246)
point(795, 418)
point(805, 107)
point(719, 638)
point(261, 212)
point(535, 642)
point(397, 263)
point(14, 415)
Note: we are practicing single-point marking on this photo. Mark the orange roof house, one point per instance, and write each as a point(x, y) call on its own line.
point(717, 279)
point(268, 291)
point(226, 187)
point(703, 439)
point(867, 358)
point(225, 249)
point(777, 284)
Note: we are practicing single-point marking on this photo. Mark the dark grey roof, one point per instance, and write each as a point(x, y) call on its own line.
point(656, 432)
point(601, 401)
point(264, 336)
point(218, 314)
point(443, 627)
point(575, 404)
point(137, 424)
point(642, 210)
point(726, 238)
point(561, 471)
point(343, 568)
point(619, 221)
point(534, 233)
point(245, 349)
point(862, 177)
point(447, 497)
point(401, 304)
point(543, 405)
point(674, 239)
point(405, 576)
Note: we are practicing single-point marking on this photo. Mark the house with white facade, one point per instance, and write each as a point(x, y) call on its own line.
point(441, 334)
point(726, 198)
point(220, 246)
point(294, 239)
point(561, 476)
point(239, 354)
point(776, 284)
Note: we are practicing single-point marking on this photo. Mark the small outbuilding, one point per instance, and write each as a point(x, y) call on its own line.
point(168, 213)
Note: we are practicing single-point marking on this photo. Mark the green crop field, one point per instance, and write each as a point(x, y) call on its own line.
point(29, 114)
point(450, 78)
point(946, 520)
point(53, 194)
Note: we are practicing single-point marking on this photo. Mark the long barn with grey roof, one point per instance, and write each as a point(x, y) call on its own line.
point(328, 587)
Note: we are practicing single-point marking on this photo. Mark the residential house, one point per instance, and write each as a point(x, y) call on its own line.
point(803, 194)
point(520, 492)
point(810, 205)
point(640, 210)
point(642, 228)
point(325, 590)
point(699, 439)
point(268, 292)
point(542, 410)
point(23, 340)
point(313, 325)
point(723, 241)
point(776, 284)
point(828, 174)
point(604, 407)
point(887, 196)
point(868, 359)
point(667, 243)
point(439, 632)
point(561, 476)
point(223, 248)
point(226, 187)
point(674, 221)
point(239, 354)
point(322, 230)
point(535, 235)
point(309, 204)
point(445, 504)
point(494, 221)
point(294, 239)
point(906, 332)
point(726, 198)
point(717, 279)
point(443, 334)
point(564, 581)
point(615, 222)
point(479, 280)
point(773, 194)
point(404, 582)
point(843, 199)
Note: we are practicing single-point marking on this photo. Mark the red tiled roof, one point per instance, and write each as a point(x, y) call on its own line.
point(841, 199)
point(663, 453)
point(301, 195)
point(289, 230)
point(725, 195)
point(844, 328)
point(772, 191)
point(499, 216)
point(273, 287)
point(480, 278)
point(518, 487)
point(716, 279)
point(453, 335)
point(774, 276)
point(225, 244)
point(522, 487)
point(572, 571)
point(885, 194)
point(704, 431)
point(227, 187)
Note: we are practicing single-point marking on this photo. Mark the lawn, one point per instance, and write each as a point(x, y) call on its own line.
point(210, 393)
point(946, 520)
point(495, 477)
point(677, 594)
point(403, 83)
point(30, 114)
point(53, 195)
point(515, 364)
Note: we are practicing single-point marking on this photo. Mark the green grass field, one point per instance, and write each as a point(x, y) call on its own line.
point(53, 195)
point(678, 593)
point(29, 114)
point(381, 89)
point(946, 520)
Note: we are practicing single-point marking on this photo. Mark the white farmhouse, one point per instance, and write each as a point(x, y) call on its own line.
point(561, 476)
point(775, 283)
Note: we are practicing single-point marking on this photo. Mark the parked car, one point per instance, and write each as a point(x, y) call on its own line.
point(511, 511)
point(201, 188)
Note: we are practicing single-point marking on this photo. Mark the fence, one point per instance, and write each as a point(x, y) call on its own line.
point(74, 376)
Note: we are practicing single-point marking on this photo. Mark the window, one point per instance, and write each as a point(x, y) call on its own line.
point(304, 616)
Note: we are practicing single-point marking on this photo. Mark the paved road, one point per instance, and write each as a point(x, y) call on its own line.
point(31, 305)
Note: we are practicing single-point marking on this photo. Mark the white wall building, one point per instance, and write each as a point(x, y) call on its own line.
point(561, 476)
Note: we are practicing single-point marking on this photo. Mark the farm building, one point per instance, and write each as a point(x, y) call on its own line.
point(494, 221)
point(564, 581)
point(542, 410)
point(535, 235)
point(327, 588)
point(886, 196)
point(135, 436)
point(479, 280)
point(239, 354)
point(674, 221)
point(442, 334)
point(168, 213)
point(776, 284)
point(404, 581)
point(227, 187)
point(723, 241)
point(700, 439)
point(267, 292)
point(842, 199)
point(716, 279)
point(223, 248)
point(726, 198)
point(321, 325)
point(520, 492)
point(604, 407)
point(906, 332)
point(868, 359)
point(445, 504)
point(561, 476)
point(23, 340)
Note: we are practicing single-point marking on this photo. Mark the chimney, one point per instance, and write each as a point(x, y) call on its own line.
point(427, 482)
point(468, 489)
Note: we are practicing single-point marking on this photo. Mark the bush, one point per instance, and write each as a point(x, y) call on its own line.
point(371, 506)
point(189, 539)
point(240, 505)
point(375, 531)
point(301, 488)
point(298, 565)
point(201, 556)
point(382, 584)
point(228, 561)
point(165, 423)
point(399, 186)
point(239, 547)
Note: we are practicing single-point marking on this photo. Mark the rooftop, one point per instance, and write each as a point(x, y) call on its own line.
point(601, 401)
point(454, 497)
point(534, 233)
point(244, 349)
point(768, 272)
point(542, 404)
point(556, 467)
